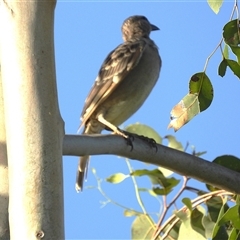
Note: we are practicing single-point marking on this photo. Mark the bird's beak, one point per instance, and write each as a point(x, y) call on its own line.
point(154, 28)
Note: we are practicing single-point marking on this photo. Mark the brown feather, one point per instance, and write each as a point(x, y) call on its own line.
point(118, 63)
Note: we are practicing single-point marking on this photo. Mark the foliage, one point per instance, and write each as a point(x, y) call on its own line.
point(200, 94)
point(215, 5)
point(212, 214)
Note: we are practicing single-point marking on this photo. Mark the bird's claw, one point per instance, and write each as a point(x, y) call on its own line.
point(129, 138)
point(150, 141)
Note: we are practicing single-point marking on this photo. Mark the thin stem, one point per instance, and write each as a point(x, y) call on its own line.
point(166, 207)
point(186, 147)
point(208, 58)
point(195, 190)
point(236, 4)
point(235, 8)
point(222, 51)
point(139, 199)
point(140, 202)
point(108, 198)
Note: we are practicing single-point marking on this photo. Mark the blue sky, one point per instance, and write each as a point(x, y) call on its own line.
point(85, 32)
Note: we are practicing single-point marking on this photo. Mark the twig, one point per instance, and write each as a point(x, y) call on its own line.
point(140, 202)
point(208, 58)
point(195, 202)
point(109, 199)
point(166, 207)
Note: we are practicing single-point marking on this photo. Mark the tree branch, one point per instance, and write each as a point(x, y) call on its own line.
point(177, 161)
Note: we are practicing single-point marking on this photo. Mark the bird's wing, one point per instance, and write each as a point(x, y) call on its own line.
point(114, 69)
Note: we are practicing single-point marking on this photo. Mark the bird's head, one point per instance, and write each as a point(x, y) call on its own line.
point(136, 27)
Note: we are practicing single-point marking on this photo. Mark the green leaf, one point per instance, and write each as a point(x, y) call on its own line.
point(199, 99)
point(231, 37)
point(217, 226)
point(184, 111)
point(221, 233)
point(173, 234)
point(234, 66)
point(233, 215)
point(225, 51)
point(154, 175)
point(236, 51)
point(191, 227)
point(142, 129)
point(166, 172)
point(157, 177)
point(214, 206)
point(215, 5)
point(150, 191)
point(142, 228)
point(188, 203)
point(117, 178)
point(196, 220)
point(186, 231)
point(208, 226)
point(230, 33)
point(166, 190)
point(201, 85)
point(234, 234)
point(183, 215)
point(238, 199)
point(222, 68)
point(130, 213)
point(228, 161)
point(173, 143)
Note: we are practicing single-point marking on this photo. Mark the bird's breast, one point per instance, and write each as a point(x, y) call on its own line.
point(133, 90)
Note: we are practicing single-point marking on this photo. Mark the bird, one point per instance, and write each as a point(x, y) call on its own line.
point(124, 81)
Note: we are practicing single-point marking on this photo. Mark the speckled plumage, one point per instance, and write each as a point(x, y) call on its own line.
point(124, 81)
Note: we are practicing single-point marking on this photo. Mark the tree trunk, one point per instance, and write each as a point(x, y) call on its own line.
point(4, 226)
point(34, 127)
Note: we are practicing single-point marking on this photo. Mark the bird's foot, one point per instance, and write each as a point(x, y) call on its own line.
point(129, 138)
point(150, 141)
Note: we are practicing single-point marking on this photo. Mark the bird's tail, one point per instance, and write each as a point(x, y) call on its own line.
point(93, 127)
point(82, 169)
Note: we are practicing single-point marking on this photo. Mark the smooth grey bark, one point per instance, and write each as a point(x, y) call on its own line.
point(34, 127)
point(177, 161)
point(4, 198)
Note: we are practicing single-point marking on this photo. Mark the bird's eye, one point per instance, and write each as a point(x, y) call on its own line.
point(144, 18)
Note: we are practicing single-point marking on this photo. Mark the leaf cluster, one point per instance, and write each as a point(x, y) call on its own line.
point(212, 214)
point(201, 92)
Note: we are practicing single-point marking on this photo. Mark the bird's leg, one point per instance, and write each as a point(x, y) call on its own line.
point(112, 127)
point(127, 136)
